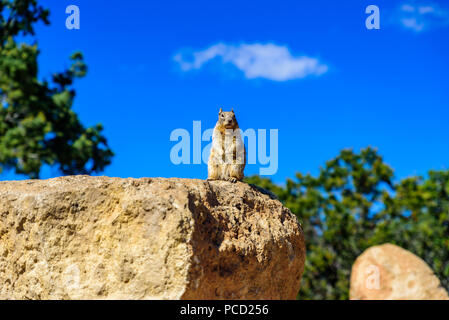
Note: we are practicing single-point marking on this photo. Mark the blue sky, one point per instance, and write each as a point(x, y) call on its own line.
point(308, 68)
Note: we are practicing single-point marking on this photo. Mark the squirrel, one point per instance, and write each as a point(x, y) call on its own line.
point(227, 158)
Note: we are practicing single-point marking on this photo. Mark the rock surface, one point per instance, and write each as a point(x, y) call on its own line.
point(388, 272)
point(83, 237)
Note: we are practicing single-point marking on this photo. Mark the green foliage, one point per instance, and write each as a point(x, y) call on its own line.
point(37, 125)
point(353, 204)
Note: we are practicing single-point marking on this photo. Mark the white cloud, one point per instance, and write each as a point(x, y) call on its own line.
point(256, 60)
point(420, 17)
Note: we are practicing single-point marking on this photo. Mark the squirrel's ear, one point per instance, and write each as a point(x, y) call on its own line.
point(232, 110)
point(220, 111)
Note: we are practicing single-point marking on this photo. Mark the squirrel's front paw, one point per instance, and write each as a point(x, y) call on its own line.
point(233, 180)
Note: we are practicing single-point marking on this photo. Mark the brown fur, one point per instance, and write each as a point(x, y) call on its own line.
point(227, 158)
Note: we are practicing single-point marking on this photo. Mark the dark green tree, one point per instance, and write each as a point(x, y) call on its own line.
point(353, 204)
point(423, 225)
point(37, 125)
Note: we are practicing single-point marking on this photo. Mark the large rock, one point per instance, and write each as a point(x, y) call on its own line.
point(389, 272)
point(83, 237)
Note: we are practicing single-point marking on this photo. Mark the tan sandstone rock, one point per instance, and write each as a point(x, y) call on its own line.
point(83, 237)
point(388, 272)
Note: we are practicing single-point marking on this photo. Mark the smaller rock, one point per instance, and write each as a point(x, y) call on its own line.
point(388, 272)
